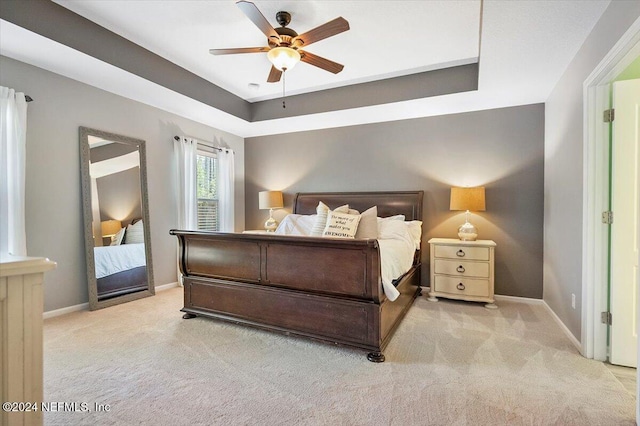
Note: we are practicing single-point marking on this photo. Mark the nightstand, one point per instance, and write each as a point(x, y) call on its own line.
point(257, 231)
point(462, 270)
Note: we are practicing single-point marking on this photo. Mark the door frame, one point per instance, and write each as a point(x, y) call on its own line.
point(596, 91)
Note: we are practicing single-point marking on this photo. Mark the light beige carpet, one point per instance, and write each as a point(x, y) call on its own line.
point(449, 363)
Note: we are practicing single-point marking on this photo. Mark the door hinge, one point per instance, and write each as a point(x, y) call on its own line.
point(609, 115)
point(607, 217)
point(606, 318)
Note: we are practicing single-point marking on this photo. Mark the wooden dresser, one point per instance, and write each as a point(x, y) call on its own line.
point(462, 270)
point(21, 337)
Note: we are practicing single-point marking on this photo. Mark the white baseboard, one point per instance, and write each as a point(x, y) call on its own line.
point(564, 328)
point(85, 306)
point(557, 319)
point(166, 286)
point(517, 299)
point(67, 310)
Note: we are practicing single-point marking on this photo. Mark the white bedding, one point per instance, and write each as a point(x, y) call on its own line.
point(296, 224)
point(397, 246)
point(113, 259)
point(396, 254)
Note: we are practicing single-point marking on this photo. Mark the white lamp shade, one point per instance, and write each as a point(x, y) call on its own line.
point(110, 227)
point(471, 199)
point(283, 58)
point(270, 200)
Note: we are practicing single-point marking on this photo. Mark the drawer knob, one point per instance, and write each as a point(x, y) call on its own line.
point(460, 253)
point(460, 269)
point(460, 286)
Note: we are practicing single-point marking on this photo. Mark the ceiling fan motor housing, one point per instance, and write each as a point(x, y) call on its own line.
point(283, 18)
point(286, 34)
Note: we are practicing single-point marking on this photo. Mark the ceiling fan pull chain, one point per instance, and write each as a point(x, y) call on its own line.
point(284, 73)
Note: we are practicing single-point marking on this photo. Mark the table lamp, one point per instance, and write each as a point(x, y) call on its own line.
point(110, 227)
point(270, 200)
point(469, 199)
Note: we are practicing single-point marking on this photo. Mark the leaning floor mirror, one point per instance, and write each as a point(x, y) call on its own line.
point(116, 218)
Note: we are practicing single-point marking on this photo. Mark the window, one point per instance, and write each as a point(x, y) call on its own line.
point(207, 191)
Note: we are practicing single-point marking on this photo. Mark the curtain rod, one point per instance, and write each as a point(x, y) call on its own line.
point(28, 98)
point(207, 145)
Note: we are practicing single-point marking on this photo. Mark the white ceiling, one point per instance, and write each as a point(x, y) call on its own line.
point(386, 38)
point(525, 48)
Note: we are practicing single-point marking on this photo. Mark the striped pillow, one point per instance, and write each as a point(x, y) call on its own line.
point(134, 234)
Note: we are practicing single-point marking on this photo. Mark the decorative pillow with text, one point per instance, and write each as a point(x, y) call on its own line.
point(341, 225)
point(321, 220)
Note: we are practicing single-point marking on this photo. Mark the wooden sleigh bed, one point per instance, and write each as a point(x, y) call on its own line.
point(320, 288)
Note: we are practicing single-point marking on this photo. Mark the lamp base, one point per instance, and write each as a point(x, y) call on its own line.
point(270, 225)
point(467, 232)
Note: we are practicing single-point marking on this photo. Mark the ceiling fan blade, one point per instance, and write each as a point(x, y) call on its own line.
point(252, 12)
point(232, 51)
point(329, 29)
point(320, 62)
point(274, 75)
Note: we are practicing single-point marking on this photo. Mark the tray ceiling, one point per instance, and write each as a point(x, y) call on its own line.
point(524, 48)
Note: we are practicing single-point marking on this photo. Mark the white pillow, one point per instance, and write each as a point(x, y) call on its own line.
point(135, 233)
point(117, 239)
point(383, 220)
point(415, 229)
point(368, 226)
point(341, 225)
point(321, 218)
point(395, 230)
point(396, 217)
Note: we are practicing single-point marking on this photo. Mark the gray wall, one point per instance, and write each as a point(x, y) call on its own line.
point(501, 149)
point(564, 166)
point(53, 203)
point(119, 196)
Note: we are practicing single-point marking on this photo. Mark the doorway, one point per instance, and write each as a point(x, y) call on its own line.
point(595, 254)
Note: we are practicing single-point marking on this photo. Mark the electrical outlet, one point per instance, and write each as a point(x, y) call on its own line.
point(573, 300)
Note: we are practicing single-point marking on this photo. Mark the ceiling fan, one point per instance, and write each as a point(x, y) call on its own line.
point(285, 45)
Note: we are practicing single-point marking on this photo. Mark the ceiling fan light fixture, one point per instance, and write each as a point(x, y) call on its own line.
point(283, 58)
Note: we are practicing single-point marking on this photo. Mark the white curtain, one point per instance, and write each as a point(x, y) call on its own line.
point(185, 153)
point(13, 134)
point(226, 172)
point(185, 150)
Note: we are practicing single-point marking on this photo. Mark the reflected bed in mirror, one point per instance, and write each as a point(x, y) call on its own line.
point(116, 218)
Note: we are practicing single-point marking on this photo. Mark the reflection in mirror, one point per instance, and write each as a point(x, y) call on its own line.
point(116, 216)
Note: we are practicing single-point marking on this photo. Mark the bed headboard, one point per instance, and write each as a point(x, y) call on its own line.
point(408, 203)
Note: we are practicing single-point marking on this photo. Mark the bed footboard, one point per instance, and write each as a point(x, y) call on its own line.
point(345, 268)
point(325, 289)
point(340, 321)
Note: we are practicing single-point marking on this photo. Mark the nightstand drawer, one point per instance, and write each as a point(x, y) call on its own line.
point(462, 268)
point(462, 286)
point(462, 252)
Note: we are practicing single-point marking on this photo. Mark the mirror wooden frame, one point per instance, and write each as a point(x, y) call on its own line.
point(94, 303)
